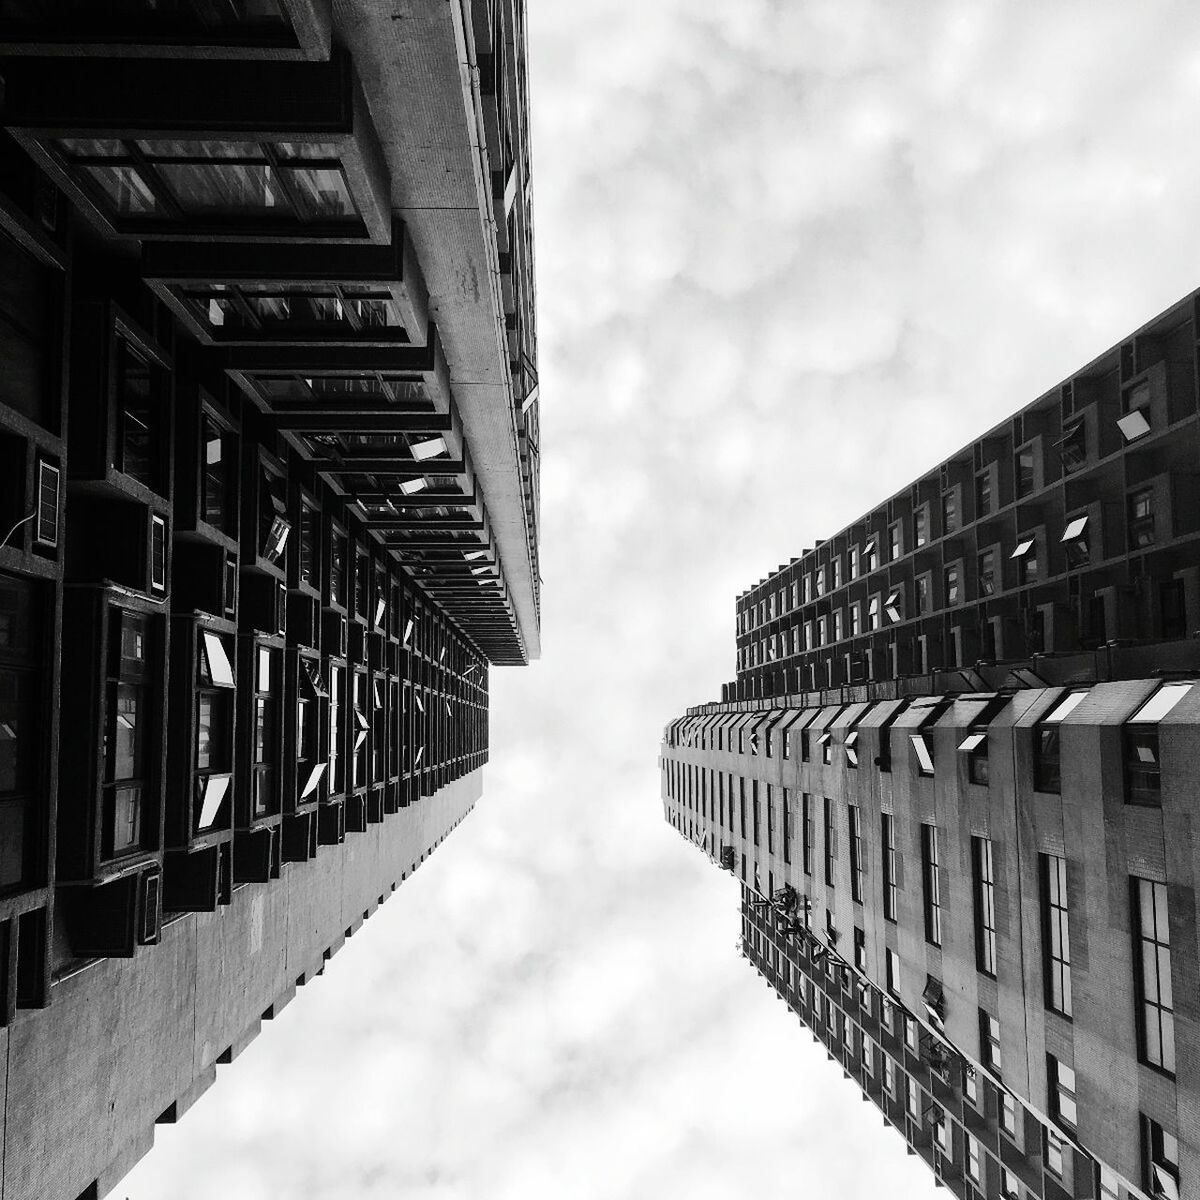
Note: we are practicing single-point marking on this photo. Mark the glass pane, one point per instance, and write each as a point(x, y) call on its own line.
point(127, 193)
point(93, 147)
point(12, 841)
point(127, 818)
point(310, 150)
point(126, 732)
point(134, 641)
point(323, 192)
point(175, 149)
point(227, 190)
point(18, 765)
point(211, 794)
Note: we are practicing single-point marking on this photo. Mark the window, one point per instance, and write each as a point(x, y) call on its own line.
point(361, 579)
point(1141, 519)
point(975, 747)
point(951, 580)
point(1025, 554)
point(212, 180)
point(985, 905)
point(266, 730)
point(361, 727)
point(851, 749)
point(787, 825)
point(855, 620)
point(49, 476)
point(309, 523)
point(158, 553)
point(218, 466)
point(139, 405)
point(931, 884)
point(1072, 446)
point(1107, 1185)
point(1023, 470)
point(770, 823)
point(274, 527)
point(1008, 1112)
point(868, 556)
point(989, 1038)
point(874, 613)
point(807, 831)
point(860, 949)
point(1010, 1189)
point(914, 1099)
point(311, 691)
point(337, 691)
point(1047, 765)
point(974, 1160)
point(895, 542)
point(950, 517)
point(754, 807)
point(820, 583)
point(922, 753)
point(127, 781)
point(892, 972)
point(20, 720)
point(856, 854)
point(1152, 946)
point(1160, 1156)
point(987, 573)
point(1075, 539)
point(214, 729)
point(1143, 772)
point(924, 603)
point(889, 1076)
point(1054, 1153)
point(1056, 934)
point(890, 864)
point(983, 493)
point(921, 527)
point(835, 571)
point(894, 605)
point(1135, 404)
point(1061, 1079)
point(830, 843)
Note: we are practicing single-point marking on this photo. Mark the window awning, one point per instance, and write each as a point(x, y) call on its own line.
point(1023, 548)
point(217, 666)
point(1160, 703)
point(215, 787)
point(1074, 531)
point(314, 778)
point(1064, 707)
point(972, 742)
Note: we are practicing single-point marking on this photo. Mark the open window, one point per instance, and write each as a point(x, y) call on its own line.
point(1076, 540)
point(1135, 406)
point(274, 526)
point(132, 715)
point(922, 753)
point(975, 747)
point(1143, 772)
point(1047, 765)
point(214, 731)
point(1026, 558)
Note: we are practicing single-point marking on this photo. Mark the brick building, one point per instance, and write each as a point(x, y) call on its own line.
point(268, 514)
point(958, 790)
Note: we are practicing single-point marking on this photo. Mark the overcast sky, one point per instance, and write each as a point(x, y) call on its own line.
point(790, 254)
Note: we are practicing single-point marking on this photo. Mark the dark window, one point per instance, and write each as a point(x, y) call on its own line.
point(923, 589)
point(932, 885)
point(1143, 770)
point(1023, 464)
point(131, 716)
point(1141, 519)
point(1056, 934)
point(950, 582)
point(856, 853)
point(158, 553)
point(140, 410)
point(214, 729)
point(830, 843)
point(219, 467)
point(274, 526)
point(987, 573)
point(895, 543)
point(807, 831)
point(308, 544)
point(950, 511)
point(362, 726)
point(770, 821)
point(266, 730)
point(27, 292)
point(337, 569)
point(860, 954)
point(20, 739)
point(1047, 764)
point(1160, 1157)
point(985, 905)
point(361, 581)
point(1072, 447)
point(921, 526)
point(1152, 946)
point(983, 493)
point(890, 864)
point(1173, 609)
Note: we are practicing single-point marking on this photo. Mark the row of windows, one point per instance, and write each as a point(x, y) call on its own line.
point(1152, 942)
point(821, 991)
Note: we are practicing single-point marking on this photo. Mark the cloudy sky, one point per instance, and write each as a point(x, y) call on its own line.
point(790, 253)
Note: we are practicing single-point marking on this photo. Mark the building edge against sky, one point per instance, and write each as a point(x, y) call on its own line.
point(955, 779)
point(269, 493)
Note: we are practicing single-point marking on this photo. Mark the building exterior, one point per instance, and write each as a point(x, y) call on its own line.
point(955, 778)
point(268, 515)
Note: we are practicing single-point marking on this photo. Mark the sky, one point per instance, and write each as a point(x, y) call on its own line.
point(790, 254)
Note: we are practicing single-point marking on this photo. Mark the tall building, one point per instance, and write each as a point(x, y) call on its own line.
point(268, 514)
point(956, 778)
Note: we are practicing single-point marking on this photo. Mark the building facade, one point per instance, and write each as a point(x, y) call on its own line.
point(963, 833)
point(268, 515)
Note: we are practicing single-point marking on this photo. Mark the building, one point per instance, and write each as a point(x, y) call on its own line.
point(955, 779)
point(268, 515)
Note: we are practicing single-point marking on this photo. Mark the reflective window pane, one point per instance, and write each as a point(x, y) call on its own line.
point(127, 193)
